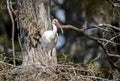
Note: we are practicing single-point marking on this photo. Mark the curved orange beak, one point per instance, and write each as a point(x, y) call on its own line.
point(58, 24)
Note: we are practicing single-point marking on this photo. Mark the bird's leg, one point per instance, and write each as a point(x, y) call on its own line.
point(51, 55)
point(46, 58)
point(49, 58)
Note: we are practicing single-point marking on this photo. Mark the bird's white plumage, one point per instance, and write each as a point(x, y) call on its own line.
point(49, 38)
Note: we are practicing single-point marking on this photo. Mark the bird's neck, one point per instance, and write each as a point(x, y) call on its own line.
point(54, 28)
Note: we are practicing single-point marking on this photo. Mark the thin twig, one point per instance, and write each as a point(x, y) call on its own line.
point(109, 26)
point(96, 26)
point(112, 39)
point(13, 29)
point(110, 2)
point(108, 41)
point(97, 78)
point(95, 59)
point(114, 55)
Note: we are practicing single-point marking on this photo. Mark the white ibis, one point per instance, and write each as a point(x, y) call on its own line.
point(49, 39)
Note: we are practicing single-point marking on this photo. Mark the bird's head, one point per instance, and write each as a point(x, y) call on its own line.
point(57, 24)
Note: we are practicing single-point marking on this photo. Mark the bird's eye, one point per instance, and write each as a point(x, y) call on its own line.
point(55, 21)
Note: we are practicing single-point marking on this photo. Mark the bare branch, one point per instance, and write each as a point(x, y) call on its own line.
point(108, 41)
point(72, 27)
point(110, 2)
point(112, 39)
point(108, 25)
point(81, 31)
point(94, 77)
point(113, 55)
point(96, 26)
point(13, 28)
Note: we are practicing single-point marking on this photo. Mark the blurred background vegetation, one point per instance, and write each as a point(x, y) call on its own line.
point(71, 47)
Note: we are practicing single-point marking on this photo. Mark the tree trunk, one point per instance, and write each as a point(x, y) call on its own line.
point(33, 19)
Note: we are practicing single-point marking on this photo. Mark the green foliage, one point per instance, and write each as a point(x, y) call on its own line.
point(63, 59)
point(97, 70)
point(94, 68)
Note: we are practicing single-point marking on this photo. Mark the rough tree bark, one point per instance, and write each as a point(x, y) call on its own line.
point(32, 20)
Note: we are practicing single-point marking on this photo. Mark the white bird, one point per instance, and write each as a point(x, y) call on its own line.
point(49, 38)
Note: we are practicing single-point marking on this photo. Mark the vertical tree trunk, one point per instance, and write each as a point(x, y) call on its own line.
point(33, 19)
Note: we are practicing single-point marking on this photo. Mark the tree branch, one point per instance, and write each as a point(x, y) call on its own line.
point(110, 26)
point(81, 31)
point(13, 29)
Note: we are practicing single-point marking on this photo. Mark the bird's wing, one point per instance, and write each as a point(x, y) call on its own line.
point(43, 42)
point(48, 40)
point(45, 38)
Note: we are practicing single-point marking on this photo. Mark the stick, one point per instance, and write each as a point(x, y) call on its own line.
point(13, 29)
